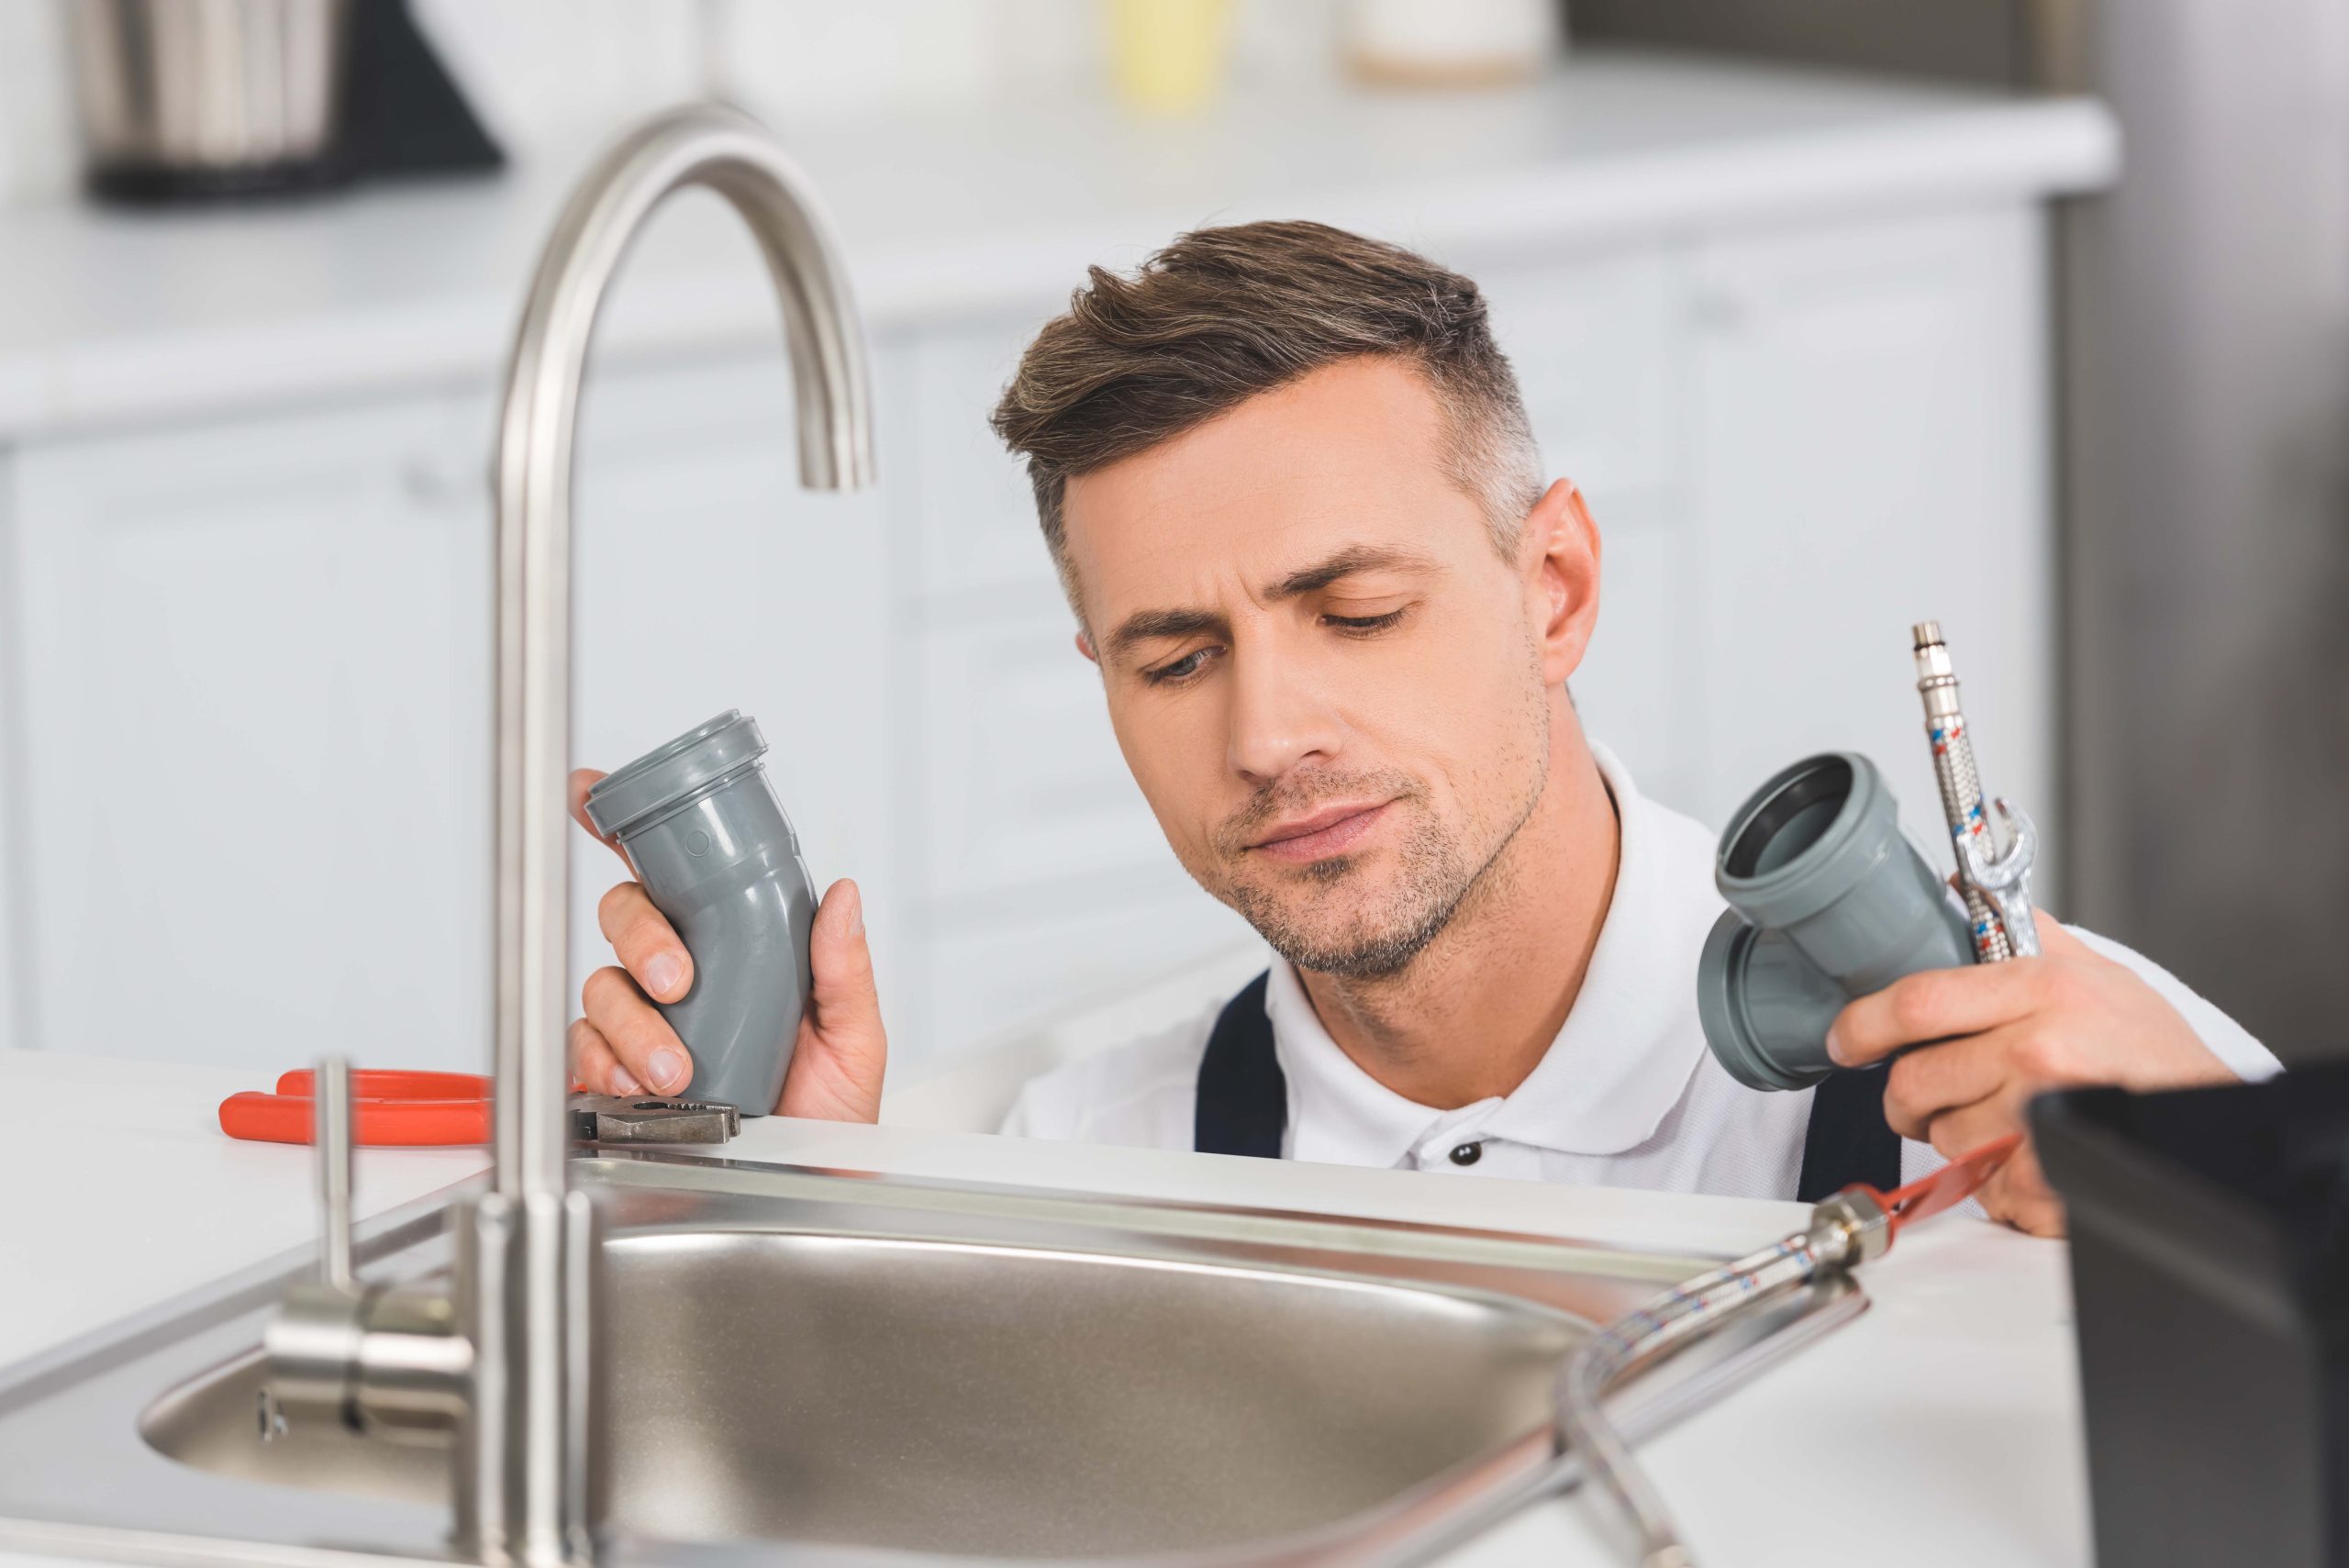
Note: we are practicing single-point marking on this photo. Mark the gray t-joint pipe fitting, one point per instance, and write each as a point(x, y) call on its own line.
point(717, 855)
point(1828, 900)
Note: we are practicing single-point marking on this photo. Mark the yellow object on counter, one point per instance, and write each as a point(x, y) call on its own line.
point(1166, 56)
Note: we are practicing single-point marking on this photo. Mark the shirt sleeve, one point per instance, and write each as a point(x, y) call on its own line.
point(2229, 1041)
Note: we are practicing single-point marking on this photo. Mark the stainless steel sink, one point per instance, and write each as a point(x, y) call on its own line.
point(826, 1362)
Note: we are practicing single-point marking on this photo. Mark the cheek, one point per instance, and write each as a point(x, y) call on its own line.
point(1175, 753)
point(1454, 699)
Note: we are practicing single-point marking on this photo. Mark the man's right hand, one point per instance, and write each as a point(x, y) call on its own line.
point(625, 1047)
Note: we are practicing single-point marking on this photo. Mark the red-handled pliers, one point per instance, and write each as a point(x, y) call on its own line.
point(386, 1107)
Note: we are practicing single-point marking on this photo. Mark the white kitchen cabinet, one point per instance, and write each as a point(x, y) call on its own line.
point(1867, 448)
point(244, 694)
point(252, 739)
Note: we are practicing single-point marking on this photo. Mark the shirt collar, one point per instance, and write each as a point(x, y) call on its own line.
point(1622, 1062)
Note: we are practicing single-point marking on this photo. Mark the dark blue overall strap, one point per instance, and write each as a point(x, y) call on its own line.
point(1243, 1106)
point(1848, 1140)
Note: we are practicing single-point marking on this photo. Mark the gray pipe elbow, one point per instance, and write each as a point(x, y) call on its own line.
point(1828, 901)
point(717, 857)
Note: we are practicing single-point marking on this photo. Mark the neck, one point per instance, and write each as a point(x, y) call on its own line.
point(1473, 1013)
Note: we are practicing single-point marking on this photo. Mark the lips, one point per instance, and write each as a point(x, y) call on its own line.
point(1330, 831)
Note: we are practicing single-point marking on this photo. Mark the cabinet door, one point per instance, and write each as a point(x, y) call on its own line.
point(1870, 451)
point(253, 739)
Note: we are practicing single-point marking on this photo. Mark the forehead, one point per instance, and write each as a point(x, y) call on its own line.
point(1348, 454)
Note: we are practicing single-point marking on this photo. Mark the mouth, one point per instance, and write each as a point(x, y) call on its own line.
point(1330, 831)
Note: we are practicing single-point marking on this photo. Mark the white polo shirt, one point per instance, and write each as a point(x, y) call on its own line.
point(1628, 1096)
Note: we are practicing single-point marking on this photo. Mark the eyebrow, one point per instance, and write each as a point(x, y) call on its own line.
point(1345, 563)
point(1148, 626)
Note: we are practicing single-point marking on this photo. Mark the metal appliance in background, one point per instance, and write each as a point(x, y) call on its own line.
point(200, 100)
point(186, 97)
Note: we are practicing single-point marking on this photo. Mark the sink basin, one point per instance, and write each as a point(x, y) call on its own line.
point(838, 1360)
point(946, 1397)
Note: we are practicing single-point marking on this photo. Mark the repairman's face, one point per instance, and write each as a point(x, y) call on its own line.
point(1330, 686)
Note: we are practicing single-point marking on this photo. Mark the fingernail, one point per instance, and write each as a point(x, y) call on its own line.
point(667, 1069)
point(1836, 1047)
point(624, 1085)
point(855, 914)
point(663, 973)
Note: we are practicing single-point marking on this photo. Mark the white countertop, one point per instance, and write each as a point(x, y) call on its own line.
point(1942, 1428)
point(110, 316)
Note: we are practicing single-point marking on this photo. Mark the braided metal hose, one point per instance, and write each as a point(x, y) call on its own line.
point(1845, 1230)
point(1960, 781)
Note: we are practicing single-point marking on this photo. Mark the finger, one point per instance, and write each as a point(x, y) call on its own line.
point(1933, 1079)
point(645, 942)
point(2018, 1195)
point(581, 780)
point(1936, 1004)
point(2056, 939)
point(592, 1063)
point(636, 1032)
point(841, 964)
point(842, 1053)
point(1957, 1133)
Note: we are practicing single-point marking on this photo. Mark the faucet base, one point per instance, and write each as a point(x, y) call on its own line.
point(536, 1379)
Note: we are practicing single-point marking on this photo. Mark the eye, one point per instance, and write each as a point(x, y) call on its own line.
point(1363, 625)
point(1179, 670)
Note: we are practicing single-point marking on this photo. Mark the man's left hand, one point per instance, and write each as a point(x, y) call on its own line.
point(1989, 1038)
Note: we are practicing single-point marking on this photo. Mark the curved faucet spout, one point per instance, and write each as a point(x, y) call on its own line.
point(527, 1483)
point(733, 155)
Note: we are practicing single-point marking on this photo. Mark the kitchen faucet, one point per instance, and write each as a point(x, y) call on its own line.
point(507, 1363)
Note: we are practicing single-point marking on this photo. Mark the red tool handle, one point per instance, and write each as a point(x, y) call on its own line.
point(1946, 1188)
point(289, 1118)
point(394, 1084)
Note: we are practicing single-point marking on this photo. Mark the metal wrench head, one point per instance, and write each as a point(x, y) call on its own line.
point(2010, 869)
point(2004, 883)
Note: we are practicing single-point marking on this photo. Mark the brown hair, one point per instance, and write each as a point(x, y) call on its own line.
point(1224, 314)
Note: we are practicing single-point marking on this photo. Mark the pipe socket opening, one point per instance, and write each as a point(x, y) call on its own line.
point(1795, 816)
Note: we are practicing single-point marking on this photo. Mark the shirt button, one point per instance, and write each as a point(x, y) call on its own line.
point(1468, 1153)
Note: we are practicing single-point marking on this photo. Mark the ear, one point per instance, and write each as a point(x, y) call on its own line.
point(1085, 645)
point(1559, 556)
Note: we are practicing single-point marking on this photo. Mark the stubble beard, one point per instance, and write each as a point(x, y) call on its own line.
point(1435, 875)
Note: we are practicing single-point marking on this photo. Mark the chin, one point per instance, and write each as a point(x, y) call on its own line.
point(1363, 936)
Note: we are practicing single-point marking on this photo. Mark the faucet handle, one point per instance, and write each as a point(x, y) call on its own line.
point(331, 1134)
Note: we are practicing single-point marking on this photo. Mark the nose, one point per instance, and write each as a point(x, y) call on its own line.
point(1278, 720)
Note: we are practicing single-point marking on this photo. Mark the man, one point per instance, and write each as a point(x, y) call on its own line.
point(1288, 483)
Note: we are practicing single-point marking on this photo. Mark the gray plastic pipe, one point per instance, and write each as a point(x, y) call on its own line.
point(717, 857)
point(1828, 901)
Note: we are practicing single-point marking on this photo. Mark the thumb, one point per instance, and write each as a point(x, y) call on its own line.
point(843, 1050)
point(841, 962)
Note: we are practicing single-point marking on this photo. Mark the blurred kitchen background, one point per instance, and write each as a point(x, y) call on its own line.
point(2026, 317)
